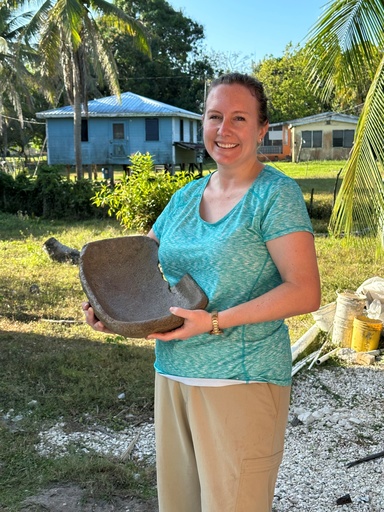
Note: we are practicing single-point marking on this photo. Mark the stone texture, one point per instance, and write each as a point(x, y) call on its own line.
point(124, 285)
point(60, 252)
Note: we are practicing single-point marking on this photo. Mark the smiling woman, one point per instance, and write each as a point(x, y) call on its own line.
point(234, 122)
point(243, 234)
point(248, 224)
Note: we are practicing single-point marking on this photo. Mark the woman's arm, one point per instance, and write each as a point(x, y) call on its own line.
point(152, 235)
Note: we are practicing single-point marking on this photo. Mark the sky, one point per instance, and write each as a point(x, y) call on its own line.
point(253, 28)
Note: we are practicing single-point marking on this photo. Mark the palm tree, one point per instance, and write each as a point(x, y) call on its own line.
point(15, 77)
point(348, 40)
point(71, 45)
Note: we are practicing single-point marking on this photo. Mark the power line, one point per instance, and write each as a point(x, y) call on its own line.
point(24, 120)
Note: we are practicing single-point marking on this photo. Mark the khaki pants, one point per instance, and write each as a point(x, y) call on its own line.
point(218, 449)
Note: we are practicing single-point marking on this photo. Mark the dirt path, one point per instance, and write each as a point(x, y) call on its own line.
point(70, 498)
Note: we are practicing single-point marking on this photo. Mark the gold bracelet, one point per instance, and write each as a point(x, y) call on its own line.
point(215, 324)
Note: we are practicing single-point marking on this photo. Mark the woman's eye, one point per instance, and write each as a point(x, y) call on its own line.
point(240, 118)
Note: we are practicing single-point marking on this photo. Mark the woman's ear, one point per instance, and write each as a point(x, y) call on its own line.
point(263, 131)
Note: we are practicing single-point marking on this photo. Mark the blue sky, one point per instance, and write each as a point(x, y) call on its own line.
point(252, 28)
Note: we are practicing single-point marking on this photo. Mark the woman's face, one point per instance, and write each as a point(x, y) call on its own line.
point(231, 127)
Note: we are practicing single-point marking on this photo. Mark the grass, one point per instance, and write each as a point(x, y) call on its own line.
point(53, 367)
point(50, 357)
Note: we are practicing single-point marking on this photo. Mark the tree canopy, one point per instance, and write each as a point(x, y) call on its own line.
point(286, 85)
point(16, 78)
point(177, 71)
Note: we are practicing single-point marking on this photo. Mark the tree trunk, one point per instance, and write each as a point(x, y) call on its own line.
point(77, 120)
point(4, 132)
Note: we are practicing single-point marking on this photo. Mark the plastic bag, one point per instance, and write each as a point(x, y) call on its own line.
point(373, 289)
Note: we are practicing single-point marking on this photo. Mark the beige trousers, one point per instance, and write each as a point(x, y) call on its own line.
point(218, 449)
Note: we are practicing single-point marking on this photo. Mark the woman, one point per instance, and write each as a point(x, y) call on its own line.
point(223, 378)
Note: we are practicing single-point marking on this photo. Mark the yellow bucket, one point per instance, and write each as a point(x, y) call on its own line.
point(366, 334)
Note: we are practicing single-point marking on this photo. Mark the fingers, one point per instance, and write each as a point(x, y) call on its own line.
point(92, 319)
point(196, 322)
point(181, 312)
point(178, 333)
point(168, 336)
point(85, 306)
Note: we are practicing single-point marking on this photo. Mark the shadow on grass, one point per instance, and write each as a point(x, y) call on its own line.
point(321, 186)
point(72, 378)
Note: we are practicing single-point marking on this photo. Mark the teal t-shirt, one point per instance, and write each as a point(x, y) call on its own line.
point(230, 262)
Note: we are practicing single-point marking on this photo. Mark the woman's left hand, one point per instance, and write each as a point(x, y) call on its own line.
point(196, 321)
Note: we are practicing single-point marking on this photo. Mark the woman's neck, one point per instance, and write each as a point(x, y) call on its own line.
point(227, 179)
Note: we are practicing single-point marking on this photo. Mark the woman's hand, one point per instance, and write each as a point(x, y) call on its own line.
point(196, 321)
point(92, 319)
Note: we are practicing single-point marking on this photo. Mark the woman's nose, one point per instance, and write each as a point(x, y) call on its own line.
point(224, 126)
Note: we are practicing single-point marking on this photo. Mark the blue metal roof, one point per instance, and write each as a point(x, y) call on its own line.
point(131, 105)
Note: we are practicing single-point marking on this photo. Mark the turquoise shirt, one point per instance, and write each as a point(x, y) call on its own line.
point(230, 261)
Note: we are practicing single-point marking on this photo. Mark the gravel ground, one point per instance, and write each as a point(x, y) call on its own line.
point(336, 418)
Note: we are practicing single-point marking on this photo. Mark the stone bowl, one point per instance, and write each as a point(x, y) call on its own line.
point(124, 285)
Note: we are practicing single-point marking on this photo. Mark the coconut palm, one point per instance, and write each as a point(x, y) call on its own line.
point(71, 45)
point(15, 77)
point(348, 40)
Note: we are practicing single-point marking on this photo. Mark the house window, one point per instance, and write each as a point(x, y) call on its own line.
point(317, 139)
point(312, 139)
point(181, 130)
point(306, 139)
point(84, 130)
point(118, 131)
point(151, 129)
point(191, 131)
point(343, 138)
point(273, 137)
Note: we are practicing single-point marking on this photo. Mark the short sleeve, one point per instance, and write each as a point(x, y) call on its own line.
point(285, 211)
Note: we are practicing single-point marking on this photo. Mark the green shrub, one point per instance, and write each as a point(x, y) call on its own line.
point(137, 200)
point(7, 188)
point(321, 209)
point(48, 195)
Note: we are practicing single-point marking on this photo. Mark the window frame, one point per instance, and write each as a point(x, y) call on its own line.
point(116, 130)
point(315, 139)
point(344, 138)
point(152, 132)
point(84, 130)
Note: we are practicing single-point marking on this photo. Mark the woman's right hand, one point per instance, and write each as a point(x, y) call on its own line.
point(92, 319)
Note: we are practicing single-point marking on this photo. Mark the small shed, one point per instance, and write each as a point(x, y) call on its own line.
point(325, 136)
point(113, 130)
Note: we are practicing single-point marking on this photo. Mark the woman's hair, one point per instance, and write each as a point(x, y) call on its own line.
point(254, 86)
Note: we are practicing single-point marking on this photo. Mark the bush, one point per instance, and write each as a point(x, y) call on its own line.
point(48, 195)
point(137, 200)
point(7, 189)
point(321, 210)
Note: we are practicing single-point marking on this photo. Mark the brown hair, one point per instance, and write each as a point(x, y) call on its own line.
point(252, 84)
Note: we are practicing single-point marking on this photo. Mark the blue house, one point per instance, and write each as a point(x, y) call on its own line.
point(113, 130)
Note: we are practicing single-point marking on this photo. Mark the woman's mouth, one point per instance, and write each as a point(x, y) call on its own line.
point(225, 146)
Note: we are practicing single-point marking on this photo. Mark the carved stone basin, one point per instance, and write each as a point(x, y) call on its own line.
point(124, 285)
